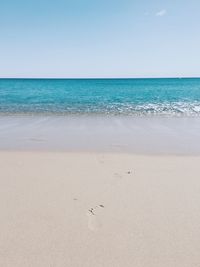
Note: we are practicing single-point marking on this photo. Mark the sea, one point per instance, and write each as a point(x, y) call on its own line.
point(135, 97)
point(141, 116)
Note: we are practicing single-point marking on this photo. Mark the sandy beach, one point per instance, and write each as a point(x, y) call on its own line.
point(99, 209)
point(99, 133)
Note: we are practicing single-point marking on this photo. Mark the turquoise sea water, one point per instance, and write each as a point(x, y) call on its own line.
point(168, 97)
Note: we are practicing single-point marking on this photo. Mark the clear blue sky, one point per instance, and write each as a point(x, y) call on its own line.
point(99, 38)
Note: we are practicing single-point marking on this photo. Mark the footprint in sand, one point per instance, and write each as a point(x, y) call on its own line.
point(115, 179)
point(94, 218)
point(118, 176)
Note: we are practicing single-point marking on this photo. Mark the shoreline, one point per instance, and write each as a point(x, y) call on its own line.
point(98, 153)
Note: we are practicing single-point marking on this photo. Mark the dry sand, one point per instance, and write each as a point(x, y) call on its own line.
point(99, 209)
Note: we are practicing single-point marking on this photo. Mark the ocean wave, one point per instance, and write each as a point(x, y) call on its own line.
point(141, 109)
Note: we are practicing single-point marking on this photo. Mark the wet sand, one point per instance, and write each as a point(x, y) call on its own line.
point(145, 135)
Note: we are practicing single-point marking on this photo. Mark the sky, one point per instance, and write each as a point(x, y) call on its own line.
point(99, 38)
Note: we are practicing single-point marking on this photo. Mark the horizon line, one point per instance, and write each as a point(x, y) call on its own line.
point(100, 78)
